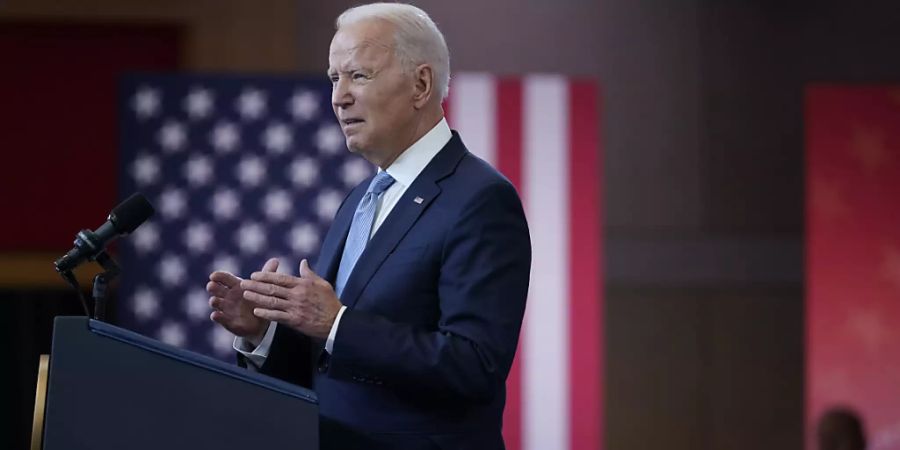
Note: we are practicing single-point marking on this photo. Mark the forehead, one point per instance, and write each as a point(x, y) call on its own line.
point(368, 40)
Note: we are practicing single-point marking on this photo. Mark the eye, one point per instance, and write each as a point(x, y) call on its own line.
point(359, 76)
point(334, 78)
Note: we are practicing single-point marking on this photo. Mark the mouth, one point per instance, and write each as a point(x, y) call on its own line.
point(350, 122)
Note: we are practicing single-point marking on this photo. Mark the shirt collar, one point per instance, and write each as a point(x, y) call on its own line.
point(412, 162)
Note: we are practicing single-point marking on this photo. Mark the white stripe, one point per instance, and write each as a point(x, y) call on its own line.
point(473, 106)
point(545, 361)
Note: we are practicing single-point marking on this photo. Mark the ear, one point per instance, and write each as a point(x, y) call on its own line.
point(424, 85)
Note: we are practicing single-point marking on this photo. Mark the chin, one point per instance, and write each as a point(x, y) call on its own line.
point(351, 145)
point(356, 145)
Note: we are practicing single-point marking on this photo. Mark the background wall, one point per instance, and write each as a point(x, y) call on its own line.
point(704, 171)
point(220, 35)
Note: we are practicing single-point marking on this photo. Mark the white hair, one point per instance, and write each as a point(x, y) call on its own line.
point(417, 39)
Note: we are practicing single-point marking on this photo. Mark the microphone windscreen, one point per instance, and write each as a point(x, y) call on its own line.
point(131, 213)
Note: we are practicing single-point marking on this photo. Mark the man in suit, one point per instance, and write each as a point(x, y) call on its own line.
point(408, 328)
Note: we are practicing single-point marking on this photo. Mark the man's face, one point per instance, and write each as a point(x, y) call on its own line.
point(372, 95)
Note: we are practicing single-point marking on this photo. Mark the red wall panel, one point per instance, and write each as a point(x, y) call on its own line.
point(58, 141)
point(853, 256)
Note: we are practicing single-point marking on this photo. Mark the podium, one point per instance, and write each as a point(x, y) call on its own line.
point(110, 388)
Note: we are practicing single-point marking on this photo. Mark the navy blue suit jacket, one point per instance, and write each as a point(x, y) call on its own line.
point(435, 305)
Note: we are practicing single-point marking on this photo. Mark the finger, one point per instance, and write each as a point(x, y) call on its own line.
point(271, 265)
point(265, 301)
point(271, 314)
point(281, 279)
point(217, 317)
point(225, 278)
point(216, 289)
point(265, 288)
point(218, 303)
point(306, 271)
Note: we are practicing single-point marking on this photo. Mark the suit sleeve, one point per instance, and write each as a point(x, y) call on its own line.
point(482, 288)
point(291, 357)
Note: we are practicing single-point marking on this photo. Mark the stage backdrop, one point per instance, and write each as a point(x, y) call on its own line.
point(853, 256)
point(241, 169)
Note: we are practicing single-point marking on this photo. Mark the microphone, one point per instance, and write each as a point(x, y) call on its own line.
point(123, 219)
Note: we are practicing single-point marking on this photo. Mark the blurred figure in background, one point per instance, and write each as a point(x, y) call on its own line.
point(840, 428)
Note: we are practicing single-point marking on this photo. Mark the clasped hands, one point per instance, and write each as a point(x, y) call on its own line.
point(244, 307)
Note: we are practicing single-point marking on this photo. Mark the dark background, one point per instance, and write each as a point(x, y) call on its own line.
point(703, 142)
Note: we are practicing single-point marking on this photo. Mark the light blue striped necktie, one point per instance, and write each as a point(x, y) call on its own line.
point(361, 228)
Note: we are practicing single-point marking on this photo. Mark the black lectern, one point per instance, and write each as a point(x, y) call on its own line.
point(110, 388)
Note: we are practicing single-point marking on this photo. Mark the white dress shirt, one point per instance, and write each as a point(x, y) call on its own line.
point(404, 170)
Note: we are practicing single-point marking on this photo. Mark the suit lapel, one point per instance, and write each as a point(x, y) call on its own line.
point(406, 212)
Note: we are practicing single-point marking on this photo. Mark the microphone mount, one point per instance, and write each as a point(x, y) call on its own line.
point(100, 283)
point(91, 246)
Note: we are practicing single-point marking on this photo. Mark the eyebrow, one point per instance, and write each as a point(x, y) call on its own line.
point(330, 72)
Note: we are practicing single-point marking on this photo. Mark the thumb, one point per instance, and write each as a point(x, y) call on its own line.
point(306, 271)
point(271, 265)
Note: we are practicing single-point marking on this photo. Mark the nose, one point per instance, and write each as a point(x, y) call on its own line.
point(340, 94)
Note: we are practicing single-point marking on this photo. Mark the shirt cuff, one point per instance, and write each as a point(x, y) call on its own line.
point(259, 354)
point(329, 343)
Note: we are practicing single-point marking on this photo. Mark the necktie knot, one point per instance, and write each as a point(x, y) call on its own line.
point(380, 183)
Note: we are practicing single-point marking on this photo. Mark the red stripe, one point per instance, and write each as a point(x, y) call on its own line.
point(509, 162)
point(585, 268)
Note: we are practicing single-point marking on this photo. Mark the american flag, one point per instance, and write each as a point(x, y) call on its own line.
point(239, 170)
point(853, 257)
point(541, 131)
point(242, 169)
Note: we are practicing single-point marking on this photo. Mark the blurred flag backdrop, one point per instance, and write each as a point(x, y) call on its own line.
point(853, 256)
point(241, 169)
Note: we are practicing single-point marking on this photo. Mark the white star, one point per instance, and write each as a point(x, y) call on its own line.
point(277, 138)
point(225, 263)
point(250, 171)
point(146, 237)
point(330, 139)
point(225, 137)
point(198, 103)
point(327, 204)
point(198, 170)
point(145, 170)
point(221, 341)
point(250, 238)
point(198, 237)
point(145, 304)
point(172, 136)
point(196, 305)
point(171, 270)
point(251, 104)
point(355, 171)
point(173, 334)
point(277, 205)
point(304, 238)
point(146, 102)
point(172, 203)
point(225, 204)
point(303, 105)
point(303, 172)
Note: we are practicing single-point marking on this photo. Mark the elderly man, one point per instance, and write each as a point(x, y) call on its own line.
point(408, 328)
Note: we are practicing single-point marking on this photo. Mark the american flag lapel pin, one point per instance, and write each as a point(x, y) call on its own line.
point(418, 200)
